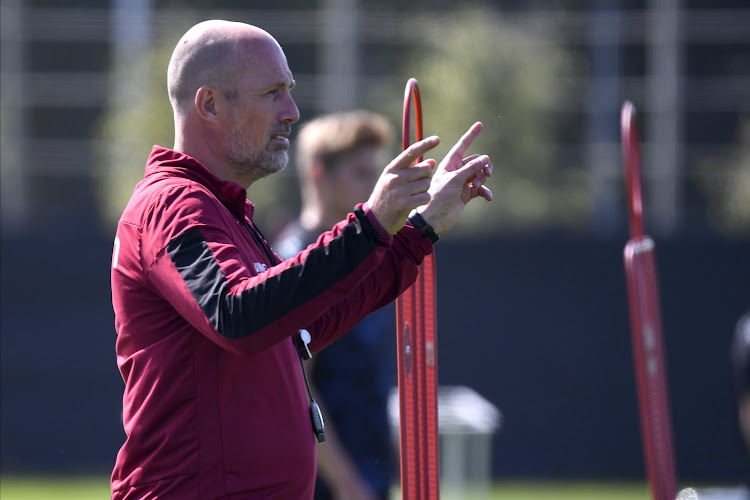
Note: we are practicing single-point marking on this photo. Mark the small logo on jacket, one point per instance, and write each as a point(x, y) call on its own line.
point(259, 267)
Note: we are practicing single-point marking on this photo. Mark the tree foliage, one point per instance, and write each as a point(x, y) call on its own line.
point(481, 67)
point(138, 117)
point(726, 184)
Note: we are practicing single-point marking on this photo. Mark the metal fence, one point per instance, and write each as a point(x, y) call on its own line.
point(56, 81)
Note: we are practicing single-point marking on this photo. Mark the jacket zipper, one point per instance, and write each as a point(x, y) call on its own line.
point(261, 242)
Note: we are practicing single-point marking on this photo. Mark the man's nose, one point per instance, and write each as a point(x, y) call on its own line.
point(290, 112)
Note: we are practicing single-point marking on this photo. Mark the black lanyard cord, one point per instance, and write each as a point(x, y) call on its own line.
point(300, 345)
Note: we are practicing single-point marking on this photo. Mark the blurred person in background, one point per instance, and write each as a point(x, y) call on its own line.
point(740, 361)
point(339, 158)
point(212, 326)
point(740, 355)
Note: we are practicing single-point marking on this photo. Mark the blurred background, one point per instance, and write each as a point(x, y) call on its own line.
point(531, 297)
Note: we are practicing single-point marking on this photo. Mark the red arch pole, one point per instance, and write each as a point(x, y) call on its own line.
point(417, 358)
point(646, 326)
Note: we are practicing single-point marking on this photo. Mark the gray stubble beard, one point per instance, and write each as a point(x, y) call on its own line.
point(257, 164)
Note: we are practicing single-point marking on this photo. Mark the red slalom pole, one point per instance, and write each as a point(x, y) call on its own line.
point(417, 359)
point(646, 326)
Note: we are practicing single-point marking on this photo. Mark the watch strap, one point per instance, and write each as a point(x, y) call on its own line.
point(416, 220)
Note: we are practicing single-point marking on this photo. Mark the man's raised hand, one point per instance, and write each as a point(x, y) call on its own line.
point(457, 181)
point(403, 186)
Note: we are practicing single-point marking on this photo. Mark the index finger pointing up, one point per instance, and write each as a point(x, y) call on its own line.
point(411, 154)
point(464, 143)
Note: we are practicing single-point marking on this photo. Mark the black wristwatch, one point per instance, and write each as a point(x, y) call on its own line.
point(418, 221)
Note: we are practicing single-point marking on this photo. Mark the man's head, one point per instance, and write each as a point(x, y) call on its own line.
point(339, 158)
point(229, 85)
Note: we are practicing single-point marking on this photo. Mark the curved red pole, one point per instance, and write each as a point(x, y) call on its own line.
point(411, 96)
point(417, 358)
point(631, 155)
point(646, 327)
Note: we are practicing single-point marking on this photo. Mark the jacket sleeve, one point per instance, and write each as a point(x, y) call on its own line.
point(396, 272)
point(197, 265)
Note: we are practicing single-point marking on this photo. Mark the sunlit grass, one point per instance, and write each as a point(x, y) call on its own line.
point(29, 487)
point(546, 490)
point(557, 490)
point(33, 487)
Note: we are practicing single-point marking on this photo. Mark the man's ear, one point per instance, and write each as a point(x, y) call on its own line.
point(205, 103)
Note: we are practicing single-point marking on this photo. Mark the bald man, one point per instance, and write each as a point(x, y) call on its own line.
point(211, 324)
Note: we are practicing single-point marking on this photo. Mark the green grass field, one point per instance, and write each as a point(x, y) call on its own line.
point(97, 488)
point(54, 488)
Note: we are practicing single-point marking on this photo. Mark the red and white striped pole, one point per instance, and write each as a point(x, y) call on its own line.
point(417, 359)
point(646, 326)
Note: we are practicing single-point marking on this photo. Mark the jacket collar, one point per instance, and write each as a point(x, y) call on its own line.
point(168, 162)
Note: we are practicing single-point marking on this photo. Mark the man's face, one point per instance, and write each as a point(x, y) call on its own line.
point(256, 138)
point(352, 178)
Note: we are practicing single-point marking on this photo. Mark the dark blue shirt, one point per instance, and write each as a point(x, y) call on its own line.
point(354, 376)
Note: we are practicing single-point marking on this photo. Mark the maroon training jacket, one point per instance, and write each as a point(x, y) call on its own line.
point(215, 405)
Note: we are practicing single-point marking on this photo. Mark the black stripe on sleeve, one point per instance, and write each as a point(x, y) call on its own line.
point(239, 315)
point(202, 274)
